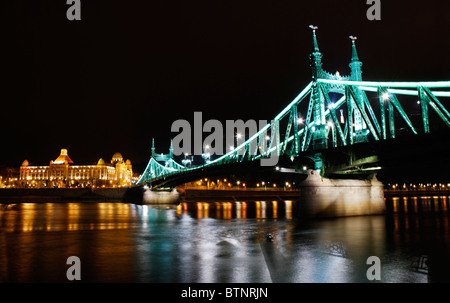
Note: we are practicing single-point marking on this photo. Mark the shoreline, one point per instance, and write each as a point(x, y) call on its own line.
point(406, 193)
point(132, 194)
point(135, 194)
point(16, 195)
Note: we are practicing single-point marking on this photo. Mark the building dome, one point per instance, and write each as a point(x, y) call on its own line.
point(63, 158)
point(25, 163)
point(117, 157)
point(101, 162)
point(128, 162)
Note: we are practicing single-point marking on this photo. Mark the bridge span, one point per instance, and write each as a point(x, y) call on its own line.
point(338, 127)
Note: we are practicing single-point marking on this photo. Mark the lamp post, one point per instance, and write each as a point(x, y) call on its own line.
point(186, 161)
point(206, 155)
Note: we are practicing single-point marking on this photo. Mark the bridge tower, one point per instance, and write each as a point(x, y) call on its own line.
point(355, 64)
point(317, 102)
point(155, 169)
point(320, 104)
point(361, 133)
point(153, 148)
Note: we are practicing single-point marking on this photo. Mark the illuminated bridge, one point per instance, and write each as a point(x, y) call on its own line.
point(332, 113)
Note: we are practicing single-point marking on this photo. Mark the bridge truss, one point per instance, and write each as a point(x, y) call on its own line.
point(332, 111)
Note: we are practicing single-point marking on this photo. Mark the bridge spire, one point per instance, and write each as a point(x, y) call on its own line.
point(318, 131)
point(354, 52)
point(355, 64)
point(153, 148)
point(361, 134)
point(315, 57)
point(315, 44)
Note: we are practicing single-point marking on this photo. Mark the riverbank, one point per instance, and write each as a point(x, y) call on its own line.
point(14, 195)
point(409, 193)
point(135, 194)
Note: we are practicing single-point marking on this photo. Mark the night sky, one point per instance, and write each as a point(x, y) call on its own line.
point(124, 73)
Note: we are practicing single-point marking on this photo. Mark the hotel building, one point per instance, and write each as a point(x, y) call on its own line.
point(62, 172)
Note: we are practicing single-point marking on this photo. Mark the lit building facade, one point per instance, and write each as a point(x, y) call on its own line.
point(62, 172)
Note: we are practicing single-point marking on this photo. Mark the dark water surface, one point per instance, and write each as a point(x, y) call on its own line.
point(254, 241)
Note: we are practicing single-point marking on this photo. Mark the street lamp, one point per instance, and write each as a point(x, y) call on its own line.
point(206, 156)
point(236, 139)
point(186, 161)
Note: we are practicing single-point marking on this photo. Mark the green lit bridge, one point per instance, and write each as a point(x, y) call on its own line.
point(333, 112)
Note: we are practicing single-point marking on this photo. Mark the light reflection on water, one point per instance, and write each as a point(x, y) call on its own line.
point(238, 210)
point(222, 242)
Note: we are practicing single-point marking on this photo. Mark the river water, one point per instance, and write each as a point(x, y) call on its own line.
point(251, 241)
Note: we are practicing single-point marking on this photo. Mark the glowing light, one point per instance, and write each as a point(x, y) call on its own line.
point(385, 96)
point(435, 84)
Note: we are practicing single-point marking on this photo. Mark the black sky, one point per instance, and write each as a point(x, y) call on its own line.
point(124, 73)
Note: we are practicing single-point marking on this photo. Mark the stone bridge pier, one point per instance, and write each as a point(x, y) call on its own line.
point(325, 198)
